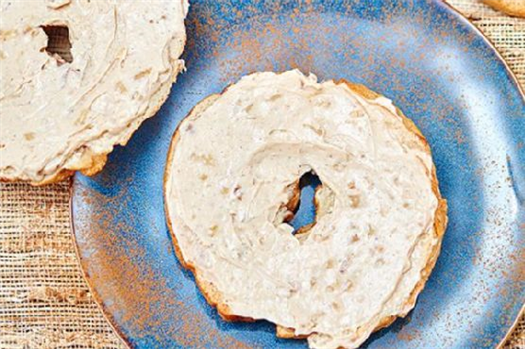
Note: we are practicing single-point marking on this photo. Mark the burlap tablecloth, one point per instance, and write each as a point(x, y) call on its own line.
point(44, 300)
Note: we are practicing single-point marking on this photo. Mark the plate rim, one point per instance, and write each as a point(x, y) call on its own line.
point(100, 303)
point(85, 274)
point(521, 90)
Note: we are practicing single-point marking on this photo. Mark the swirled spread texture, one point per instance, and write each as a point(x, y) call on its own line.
point(79, 77)
point(231, 180)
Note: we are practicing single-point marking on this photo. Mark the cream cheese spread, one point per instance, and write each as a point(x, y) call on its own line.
point(59, 114)
point(228, 178)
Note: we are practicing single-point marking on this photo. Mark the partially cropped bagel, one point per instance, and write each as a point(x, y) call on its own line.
point(79, 77)
point(231, 184)
point(511, 7)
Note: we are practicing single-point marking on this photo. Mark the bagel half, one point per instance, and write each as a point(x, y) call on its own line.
point(79, 77)
point(231, 184)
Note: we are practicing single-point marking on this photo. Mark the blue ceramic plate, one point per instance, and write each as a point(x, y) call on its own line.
point(421, 54)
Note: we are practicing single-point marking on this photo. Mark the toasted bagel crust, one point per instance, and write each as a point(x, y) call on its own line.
point(514, 8)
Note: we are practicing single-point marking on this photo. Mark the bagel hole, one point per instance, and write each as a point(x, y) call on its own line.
point(305, 212)
point(58, 44)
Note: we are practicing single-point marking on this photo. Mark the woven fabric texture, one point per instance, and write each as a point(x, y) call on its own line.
point(44, 299)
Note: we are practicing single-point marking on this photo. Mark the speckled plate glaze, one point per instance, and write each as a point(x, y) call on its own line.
point(424, 56)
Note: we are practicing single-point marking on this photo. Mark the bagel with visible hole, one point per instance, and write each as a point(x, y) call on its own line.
point(79, 77)
point(231, 184)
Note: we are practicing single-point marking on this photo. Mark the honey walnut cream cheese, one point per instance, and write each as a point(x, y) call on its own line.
point(79, 77)
point(232, 177)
